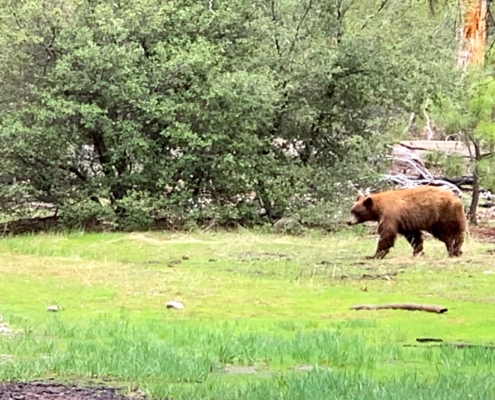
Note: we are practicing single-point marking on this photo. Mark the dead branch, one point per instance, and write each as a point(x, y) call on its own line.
point(380, 8)
point(404, 181)
point(409, 147)
point(469, 346)
point(458, 345)
point(411, 120)
point(462, 180)
point(418, 165)
point(427, 340)
point(406, 306)
point(455, 346)
point(470, 156)
point(431, 134)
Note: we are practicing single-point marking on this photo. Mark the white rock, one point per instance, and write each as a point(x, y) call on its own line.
point(489, 272)
point(174, 304)
point(53, 308)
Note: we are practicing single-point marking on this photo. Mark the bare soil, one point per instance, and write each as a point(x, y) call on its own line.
point(52, 390)
point(483, 233)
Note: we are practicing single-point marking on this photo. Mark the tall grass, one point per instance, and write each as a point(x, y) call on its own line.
point(327, 384)
point(188, 361)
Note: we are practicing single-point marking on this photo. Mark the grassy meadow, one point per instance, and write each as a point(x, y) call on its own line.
point(265, 316)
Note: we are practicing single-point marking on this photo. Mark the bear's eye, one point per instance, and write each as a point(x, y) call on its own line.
point(359, 213)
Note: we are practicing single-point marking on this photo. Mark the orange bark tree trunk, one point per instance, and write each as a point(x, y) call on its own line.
point(473, 32)
point(472, 52)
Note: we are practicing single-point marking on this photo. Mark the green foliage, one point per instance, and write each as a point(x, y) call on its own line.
point(86, 215)
point(470, 111)
point(231, 111)
point(453, 165)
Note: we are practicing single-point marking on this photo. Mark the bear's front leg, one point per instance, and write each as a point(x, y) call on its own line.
point(454, 245)
point(386, 241)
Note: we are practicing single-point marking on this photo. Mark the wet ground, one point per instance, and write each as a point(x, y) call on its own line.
point(51, 391)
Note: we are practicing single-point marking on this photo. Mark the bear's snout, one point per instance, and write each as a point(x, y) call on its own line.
point(352, 221)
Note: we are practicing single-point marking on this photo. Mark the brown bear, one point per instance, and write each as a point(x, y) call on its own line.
point(410, 211)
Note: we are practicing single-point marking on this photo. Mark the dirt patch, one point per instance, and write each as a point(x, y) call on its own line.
point(385, 276)
point(483, 233)
point(262, 255)
point(5, 330)
point(178, 238)
point(230, 369)
point(51, 390)
point(304, 368)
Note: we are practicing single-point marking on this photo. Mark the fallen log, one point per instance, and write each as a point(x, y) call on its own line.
point(408, 182)
point(426, 340)
point(469, 346)
point(463, 180)
point(454, 345)
point(406, 306)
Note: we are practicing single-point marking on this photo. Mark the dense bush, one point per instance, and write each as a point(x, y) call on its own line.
point(232, 111)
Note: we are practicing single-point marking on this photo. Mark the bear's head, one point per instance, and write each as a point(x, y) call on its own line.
point(362, 210)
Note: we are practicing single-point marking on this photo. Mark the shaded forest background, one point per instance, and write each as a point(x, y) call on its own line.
point(142, 113)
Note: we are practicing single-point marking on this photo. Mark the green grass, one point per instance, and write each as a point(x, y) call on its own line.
point(266, 317)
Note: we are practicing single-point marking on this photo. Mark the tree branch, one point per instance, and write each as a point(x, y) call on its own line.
point(408, 307)
point(75, 171)
point(298, 28)
point(380, 8)
point(274, 19)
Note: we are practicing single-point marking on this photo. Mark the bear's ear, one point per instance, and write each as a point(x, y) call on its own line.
point(368, 202)
point(360, 195)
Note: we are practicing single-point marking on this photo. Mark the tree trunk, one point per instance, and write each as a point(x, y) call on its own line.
point(474, 200)
point(473, 32)
point(472, 51)
point(476, 184)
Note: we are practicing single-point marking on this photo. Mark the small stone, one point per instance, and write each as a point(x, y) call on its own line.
point(290, 226)
point(53, 308)
point(174, 304)
point(304, 367)
point(173, 263)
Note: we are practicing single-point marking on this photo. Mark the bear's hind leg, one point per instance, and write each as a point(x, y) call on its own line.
point(453, 241)
point(415, 239)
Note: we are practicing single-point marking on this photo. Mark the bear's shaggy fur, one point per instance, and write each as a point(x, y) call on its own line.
point(410, 211)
